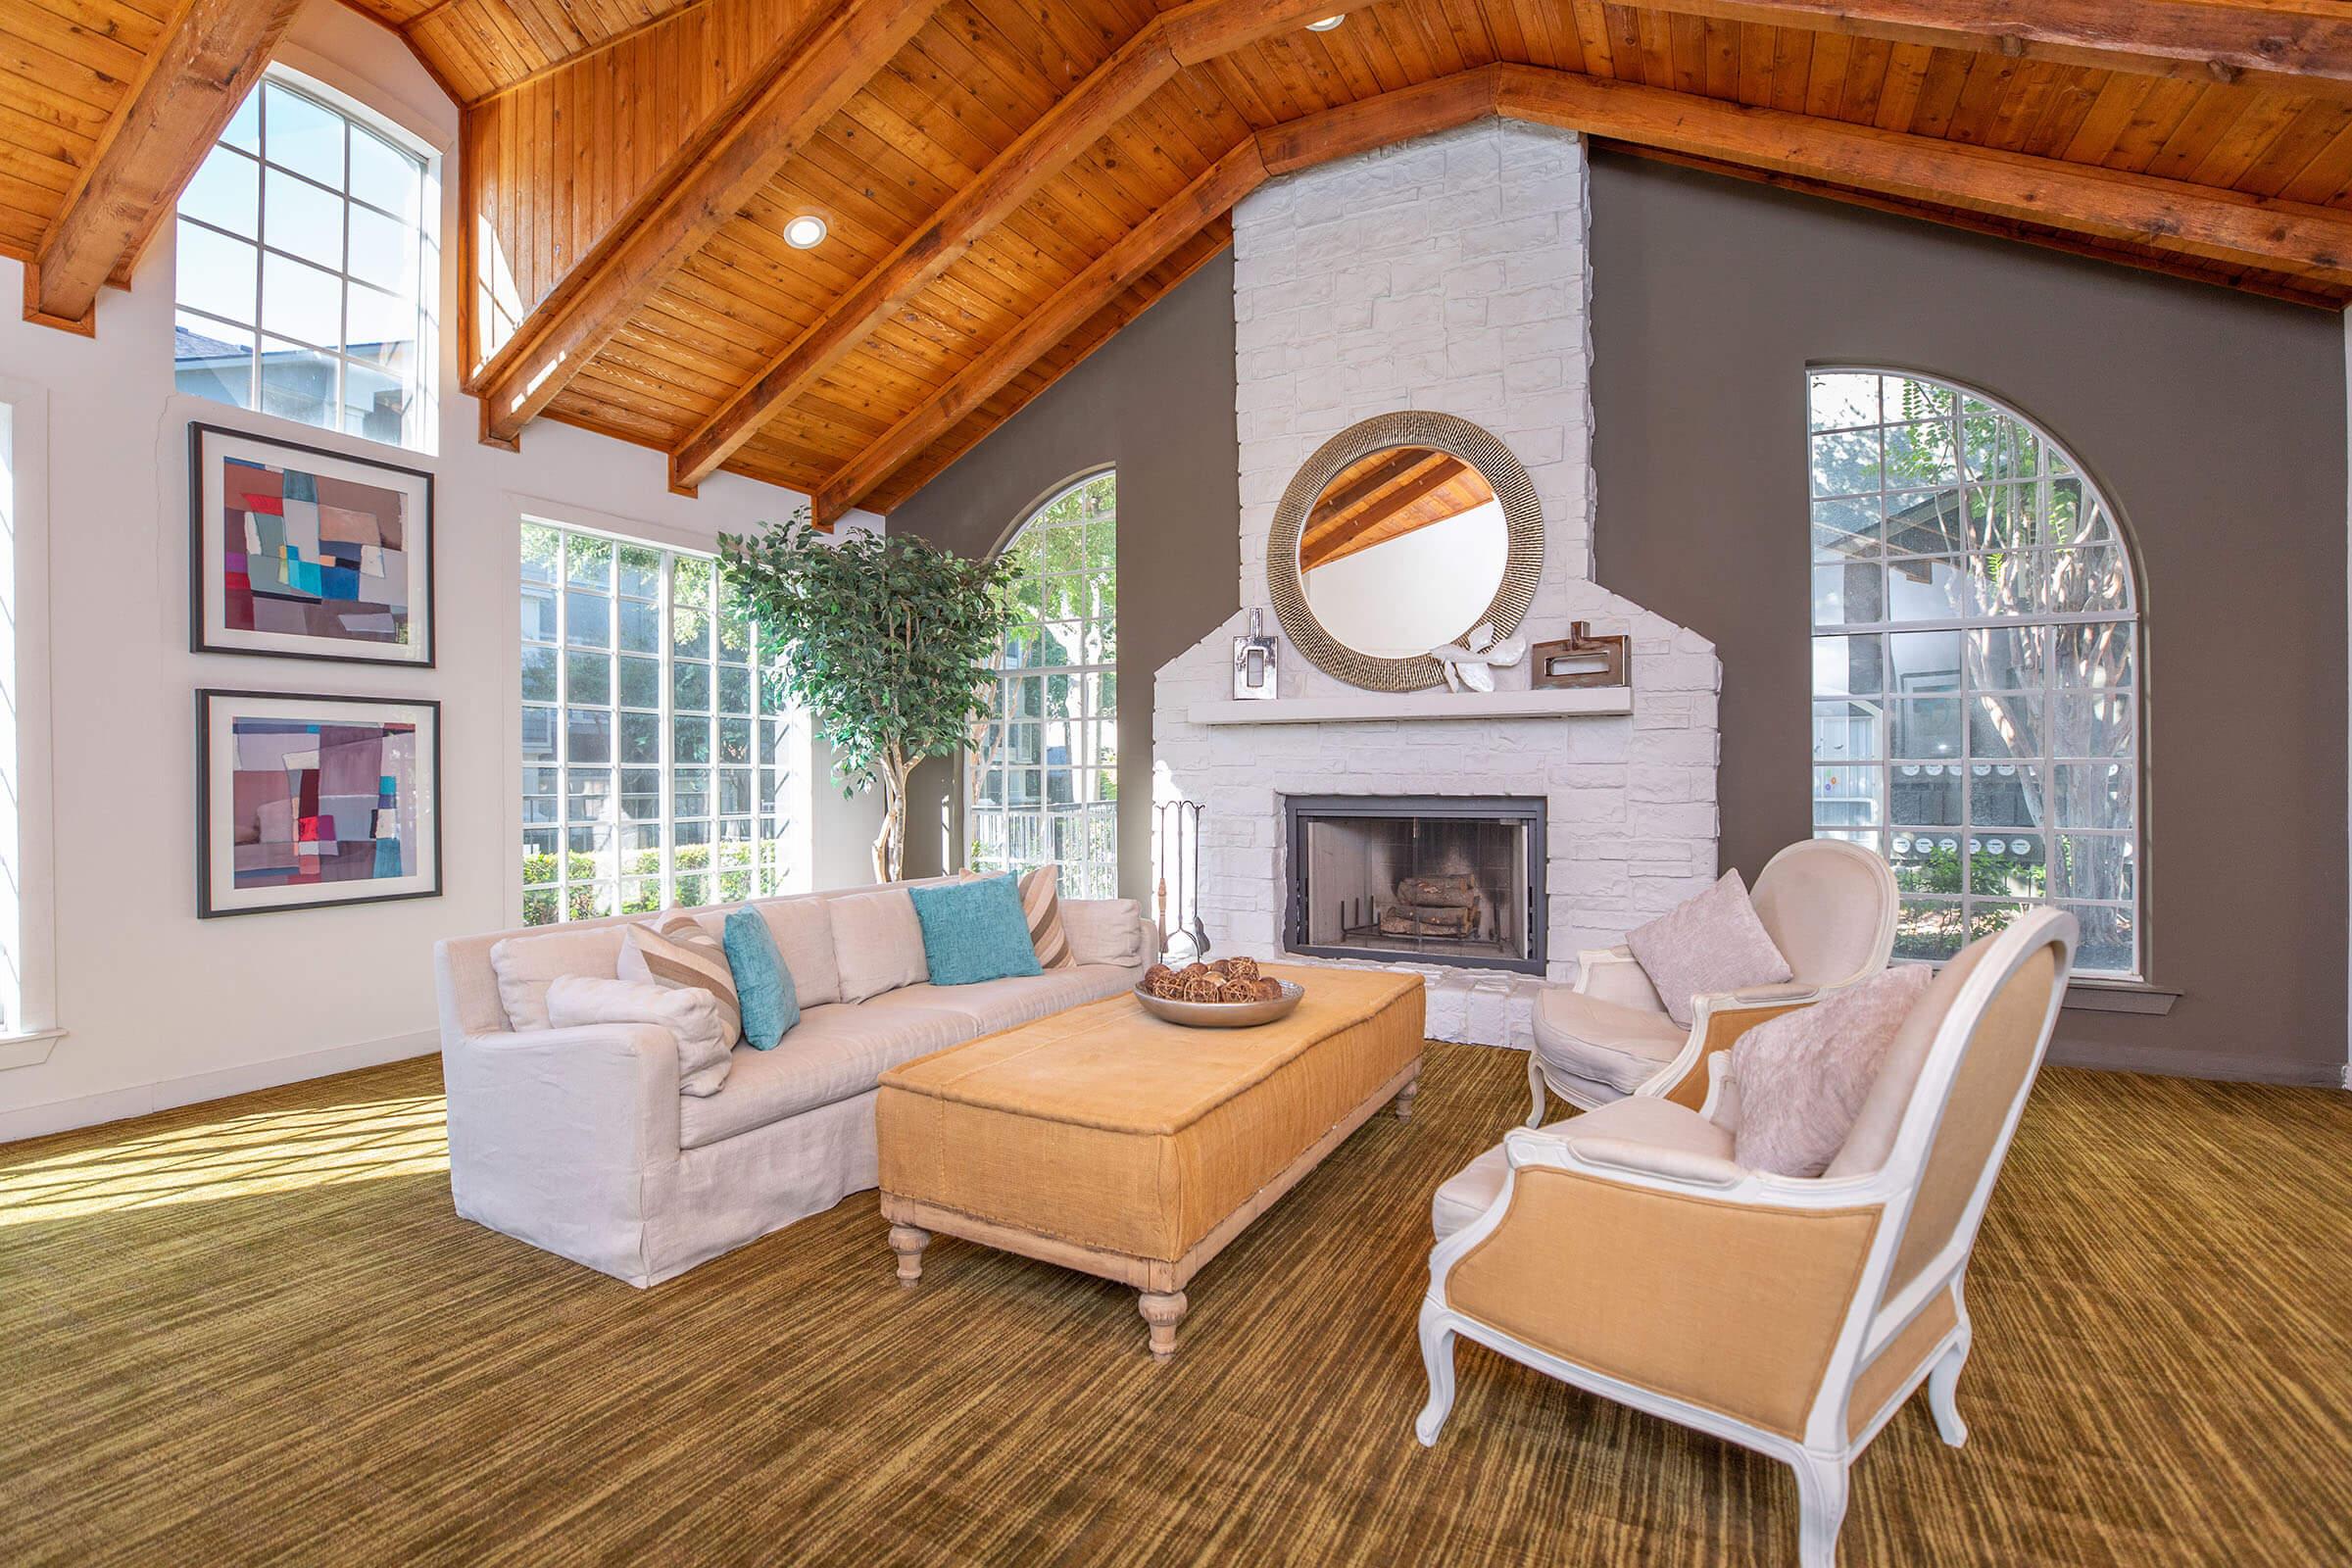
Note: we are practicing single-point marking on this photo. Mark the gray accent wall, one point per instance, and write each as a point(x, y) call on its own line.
point(1155, 403)
point(2215, 424)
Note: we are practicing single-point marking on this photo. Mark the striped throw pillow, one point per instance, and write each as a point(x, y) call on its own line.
point(676, 952)
point(1041, 903)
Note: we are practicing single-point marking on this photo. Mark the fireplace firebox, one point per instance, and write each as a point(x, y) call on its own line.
point(1432, 878)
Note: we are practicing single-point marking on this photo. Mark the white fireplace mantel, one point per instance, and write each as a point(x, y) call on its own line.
point(1437, 702)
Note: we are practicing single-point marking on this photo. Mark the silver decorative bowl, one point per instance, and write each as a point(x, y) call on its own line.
point(1222, 1014)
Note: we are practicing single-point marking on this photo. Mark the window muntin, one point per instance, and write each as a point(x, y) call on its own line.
point(1042, 783)
point(655, 763)
point(309, 260)
point(1976, 666)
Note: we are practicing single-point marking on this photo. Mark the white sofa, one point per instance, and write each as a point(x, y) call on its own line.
point(580, 1141)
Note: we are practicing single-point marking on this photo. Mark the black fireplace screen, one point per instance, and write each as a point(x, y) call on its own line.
point(1439, 879)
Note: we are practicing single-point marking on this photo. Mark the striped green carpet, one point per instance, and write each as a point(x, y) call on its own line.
point(254, 1332)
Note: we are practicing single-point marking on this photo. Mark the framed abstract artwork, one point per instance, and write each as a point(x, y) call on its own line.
point(298, 552)
point(304, 801)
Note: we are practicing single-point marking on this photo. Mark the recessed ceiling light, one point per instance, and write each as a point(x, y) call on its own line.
point(1327, 23)
point(805, 232)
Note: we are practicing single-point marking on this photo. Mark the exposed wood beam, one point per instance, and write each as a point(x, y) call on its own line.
point(2222, 225)
point(2299, 44)
point(1405, 463)
point(2194, 269)
point(1136, 68)
point(800, 86)
point(1073, 352)
point(1377, 523)
point(1430, 106)
point(198, 74)
point(1144, 247)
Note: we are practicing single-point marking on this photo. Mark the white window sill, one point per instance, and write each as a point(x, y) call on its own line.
point(28, 1049)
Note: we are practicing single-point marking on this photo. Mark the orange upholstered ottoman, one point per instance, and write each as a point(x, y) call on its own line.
point(1107, 1139)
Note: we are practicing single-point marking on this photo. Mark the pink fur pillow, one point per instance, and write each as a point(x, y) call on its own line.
point(1704, 945)
point(1802, 1076)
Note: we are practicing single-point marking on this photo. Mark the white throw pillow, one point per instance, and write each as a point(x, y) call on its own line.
point(1705, 945)
point(1803, 1076)
point(689, 1013)
point(525, 966)
point(877, 943)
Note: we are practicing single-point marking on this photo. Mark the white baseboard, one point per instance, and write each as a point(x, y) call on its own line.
point(137, 1099)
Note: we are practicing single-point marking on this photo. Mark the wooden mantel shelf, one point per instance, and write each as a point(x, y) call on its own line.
point(1379, 707)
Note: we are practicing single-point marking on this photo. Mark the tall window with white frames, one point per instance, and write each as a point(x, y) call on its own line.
point(1977, 666)
point(1043, 782)
point(658, 766)
point(309, 262)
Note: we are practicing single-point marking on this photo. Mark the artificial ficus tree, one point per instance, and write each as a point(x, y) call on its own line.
point(889, 642)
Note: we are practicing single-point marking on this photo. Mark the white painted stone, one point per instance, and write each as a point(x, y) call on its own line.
point(1451, 273)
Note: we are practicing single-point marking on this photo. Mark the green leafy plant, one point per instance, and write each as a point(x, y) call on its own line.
point(885, 640)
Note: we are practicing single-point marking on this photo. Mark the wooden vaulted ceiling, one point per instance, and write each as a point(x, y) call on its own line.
point(1008, 181)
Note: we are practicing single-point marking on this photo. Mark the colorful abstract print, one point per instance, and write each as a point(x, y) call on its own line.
point(320, 802)
point(313, 557)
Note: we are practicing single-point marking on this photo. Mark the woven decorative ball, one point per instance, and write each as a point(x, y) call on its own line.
point(1201, 987)
point(1239, 968)
point(1195, 970)
point(1156, 978)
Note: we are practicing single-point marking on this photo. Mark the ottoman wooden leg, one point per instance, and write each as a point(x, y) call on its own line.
point(909, 1242)
point(1163, 1313)
point(1405, 1098)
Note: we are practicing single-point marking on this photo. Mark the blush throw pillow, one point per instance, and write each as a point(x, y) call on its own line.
point(975, 931)
point(1041, 903)
point(676, 952)
point(690, 1015)
point(1803, 1075)
point(1708, 943)
point(762, 982)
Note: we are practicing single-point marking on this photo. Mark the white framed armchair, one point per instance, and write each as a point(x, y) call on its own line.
point(1627, 1252)
point(1830, 908)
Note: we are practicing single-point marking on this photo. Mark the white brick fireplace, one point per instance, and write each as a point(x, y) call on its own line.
point(1448, 274)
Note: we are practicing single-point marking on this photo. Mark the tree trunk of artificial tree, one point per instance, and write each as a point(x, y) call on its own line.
point(890, 844)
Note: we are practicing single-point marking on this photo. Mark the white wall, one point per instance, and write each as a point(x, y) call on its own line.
point(158, 1008)
point(1448, 274)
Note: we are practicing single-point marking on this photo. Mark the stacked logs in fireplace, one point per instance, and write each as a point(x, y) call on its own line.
point(1447, 905)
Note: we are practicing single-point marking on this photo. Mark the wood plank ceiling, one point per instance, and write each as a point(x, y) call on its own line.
point(1005, 182)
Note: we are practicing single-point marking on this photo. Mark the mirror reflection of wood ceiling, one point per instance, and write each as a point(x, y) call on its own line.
point(1386, 496)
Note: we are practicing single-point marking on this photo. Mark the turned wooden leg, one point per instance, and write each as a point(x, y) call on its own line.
point(909, 1242)
point(1405, 1098)
point(1163, 1313)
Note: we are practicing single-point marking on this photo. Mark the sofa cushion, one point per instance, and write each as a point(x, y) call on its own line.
point(877, 943)
point(836, 1051)
point(1603, 1041)
point(1705, 945)
point(995, 1004)
point(1674, 1132)
point(526, 964)
point(804, 931)
point(1105, 930)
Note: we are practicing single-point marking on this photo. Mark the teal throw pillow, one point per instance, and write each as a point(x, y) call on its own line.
point(772, 1003)
point(975, 931)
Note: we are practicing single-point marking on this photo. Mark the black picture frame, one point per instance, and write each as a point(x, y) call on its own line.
point(206, 895)
point(202, 639)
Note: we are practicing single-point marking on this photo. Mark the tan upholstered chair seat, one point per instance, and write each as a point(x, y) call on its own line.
point(1641, 1132)
point(1603, 1041)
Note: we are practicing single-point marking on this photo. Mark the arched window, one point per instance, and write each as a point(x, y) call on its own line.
point(1043, 783)
point(1976, 666)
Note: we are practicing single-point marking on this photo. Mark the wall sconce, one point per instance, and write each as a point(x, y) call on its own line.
point(1253, 662)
